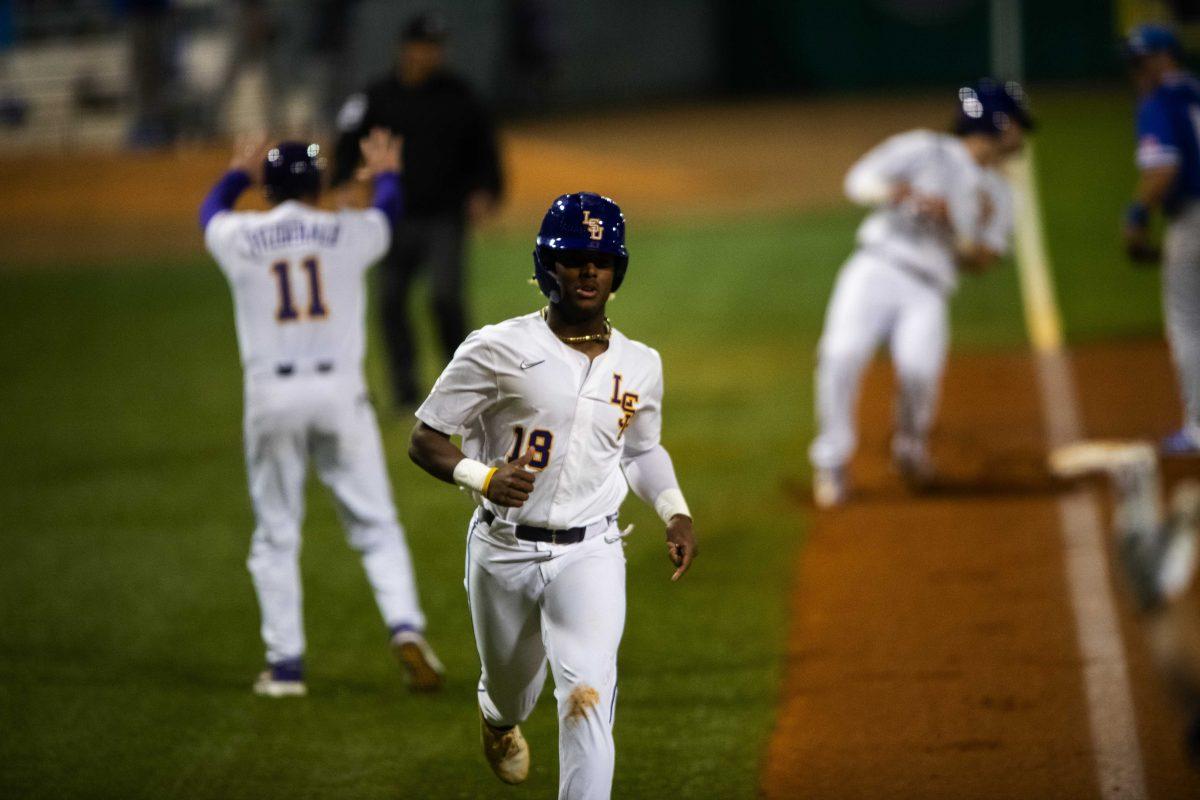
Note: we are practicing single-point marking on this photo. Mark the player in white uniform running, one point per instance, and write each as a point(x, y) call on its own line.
point(940, 207)
point(297, 274)
point(560, 415)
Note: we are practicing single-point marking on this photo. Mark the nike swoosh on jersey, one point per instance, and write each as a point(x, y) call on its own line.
point(528, 364)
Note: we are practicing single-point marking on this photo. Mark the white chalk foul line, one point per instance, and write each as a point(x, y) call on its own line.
point(1111, 716)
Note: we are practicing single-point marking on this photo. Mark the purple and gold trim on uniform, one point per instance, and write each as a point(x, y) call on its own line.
point(286, 310)
point(627, 401)
point(541, 441)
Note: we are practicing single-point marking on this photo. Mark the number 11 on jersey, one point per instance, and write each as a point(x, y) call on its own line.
point(286, 312)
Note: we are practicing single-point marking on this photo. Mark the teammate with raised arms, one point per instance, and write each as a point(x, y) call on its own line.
point(297, 274)
point(552, 407)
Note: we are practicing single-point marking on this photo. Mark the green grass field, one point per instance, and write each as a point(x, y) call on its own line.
point(1086, 174)
point(128, 628)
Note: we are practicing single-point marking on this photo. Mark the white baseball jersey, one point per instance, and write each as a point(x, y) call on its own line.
point(295, 265)
point(933, 164)
point(894, 288)
point(297, 278)
point(515, 386)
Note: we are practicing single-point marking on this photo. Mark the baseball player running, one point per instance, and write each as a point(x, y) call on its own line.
point(940, 207)
point(1157, 554)
point(1168, 160)
point(297, 276)
point(552, 408)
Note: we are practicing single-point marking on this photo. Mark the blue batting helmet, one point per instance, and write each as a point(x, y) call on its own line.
point(1151, 38)
point(989, 106)
point(292, 170)
point(580, 222)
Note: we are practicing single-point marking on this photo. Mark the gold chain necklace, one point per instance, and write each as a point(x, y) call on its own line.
point(591, 337)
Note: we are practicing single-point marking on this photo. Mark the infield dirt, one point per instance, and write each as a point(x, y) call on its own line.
point(933, 650)
point(669, 164)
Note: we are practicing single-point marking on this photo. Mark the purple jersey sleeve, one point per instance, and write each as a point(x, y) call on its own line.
point(388, 196)
point(223, 195)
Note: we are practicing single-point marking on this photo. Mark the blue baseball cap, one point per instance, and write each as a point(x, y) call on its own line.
point(1151, 38)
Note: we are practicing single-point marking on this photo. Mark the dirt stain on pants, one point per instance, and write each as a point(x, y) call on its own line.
point(580, 701)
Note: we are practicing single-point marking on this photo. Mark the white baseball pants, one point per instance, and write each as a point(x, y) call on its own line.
point(875, 301)
point(533, 602)
point(1181, 309)
point(328, 418)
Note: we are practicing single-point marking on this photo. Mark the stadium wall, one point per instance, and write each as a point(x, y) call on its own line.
point(772, 45)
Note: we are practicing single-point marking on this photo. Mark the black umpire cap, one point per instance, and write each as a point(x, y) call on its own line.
point(428, 27)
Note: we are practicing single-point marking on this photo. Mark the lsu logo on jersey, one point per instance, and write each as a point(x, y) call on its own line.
point(595, 226)
point(627, 401)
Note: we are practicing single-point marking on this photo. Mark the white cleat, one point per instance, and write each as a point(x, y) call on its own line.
point(829, 487)
point(268, 685)
point(1181, 555)
point(1082, 458)
point(425, 672)
point(506, 752)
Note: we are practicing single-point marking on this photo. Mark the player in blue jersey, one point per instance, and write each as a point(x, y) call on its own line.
point(1168, 160)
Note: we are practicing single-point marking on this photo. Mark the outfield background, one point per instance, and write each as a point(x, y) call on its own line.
point(128, 628)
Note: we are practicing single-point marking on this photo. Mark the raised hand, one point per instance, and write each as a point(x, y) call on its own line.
point(380, 153)
point(511, 485)
point(249, 151)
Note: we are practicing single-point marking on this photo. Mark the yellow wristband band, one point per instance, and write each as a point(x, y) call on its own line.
point(488, 481)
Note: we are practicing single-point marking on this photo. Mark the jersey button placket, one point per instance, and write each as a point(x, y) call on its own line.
point(584, 410)
point(560, 493)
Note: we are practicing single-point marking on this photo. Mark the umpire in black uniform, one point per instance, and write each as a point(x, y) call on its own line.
point(451, 177)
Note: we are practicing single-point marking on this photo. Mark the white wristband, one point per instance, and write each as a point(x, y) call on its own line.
point(473, 475)
point(669, 503)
